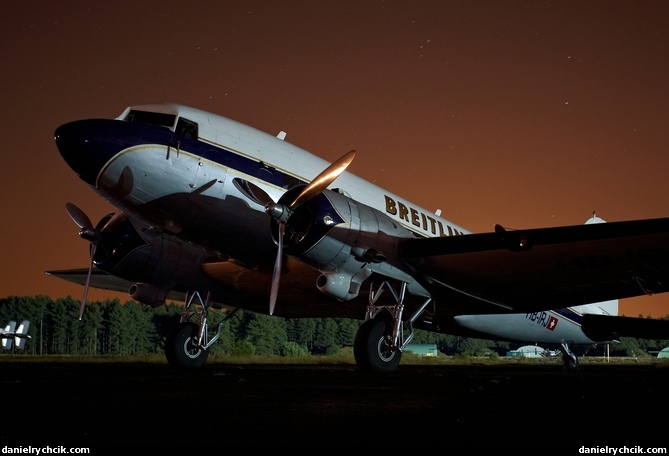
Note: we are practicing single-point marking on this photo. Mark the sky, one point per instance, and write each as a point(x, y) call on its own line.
point(523, 113)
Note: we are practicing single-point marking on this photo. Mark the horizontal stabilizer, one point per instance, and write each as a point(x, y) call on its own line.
point(8, 342)
point(15, 337)
point(22, 334)
point(610, 327)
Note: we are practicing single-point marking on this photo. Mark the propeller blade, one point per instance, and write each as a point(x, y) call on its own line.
point(325, 178)
point(252, 191)
point(276, 274)
point(79, 217)
point(87, 284)
point(116, 219)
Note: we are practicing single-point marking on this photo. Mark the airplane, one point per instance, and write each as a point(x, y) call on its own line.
point(218, 214)
point(13, 336)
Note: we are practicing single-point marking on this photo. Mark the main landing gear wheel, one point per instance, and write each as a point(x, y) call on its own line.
point(569, 359)
point(372, 349)
point(570, 362)
point(180, 350)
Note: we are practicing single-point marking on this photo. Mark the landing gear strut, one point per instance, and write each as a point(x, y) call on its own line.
point(569, 359)
point(382, 337)
point(187, 345)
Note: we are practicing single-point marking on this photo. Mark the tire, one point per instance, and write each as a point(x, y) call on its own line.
point(179, 349)
point(570, 363)
point(371, 350)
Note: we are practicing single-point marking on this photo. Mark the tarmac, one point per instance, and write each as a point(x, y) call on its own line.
point(116, 407)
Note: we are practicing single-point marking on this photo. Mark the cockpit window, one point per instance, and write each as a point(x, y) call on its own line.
point(186, 128)
point(151, 118)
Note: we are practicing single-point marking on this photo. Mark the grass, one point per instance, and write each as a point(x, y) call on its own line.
point(407, 359)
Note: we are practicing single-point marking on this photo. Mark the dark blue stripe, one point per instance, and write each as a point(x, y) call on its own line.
point(88, 145)
point(569, 314)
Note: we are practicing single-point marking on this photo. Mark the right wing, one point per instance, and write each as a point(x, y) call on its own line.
point(99, 279)
point(105, 281)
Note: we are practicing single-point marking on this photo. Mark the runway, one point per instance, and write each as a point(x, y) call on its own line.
point(119, 407)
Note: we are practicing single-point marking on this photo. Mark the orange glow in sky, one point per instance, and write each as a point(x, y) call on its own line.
point(527, 114)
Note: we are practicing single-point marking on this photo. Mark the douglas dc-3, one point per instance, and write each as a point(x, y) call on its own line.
point(221, 215)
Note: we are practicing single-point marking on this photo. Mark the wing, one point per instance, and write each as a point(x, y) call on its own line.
point(545, 268)
point(610, 327)
point(99, 279)
point(105, 281)
point(246, 288)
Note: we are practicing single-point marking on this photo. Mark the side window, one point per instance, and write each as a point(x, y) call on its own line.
point(186, 128)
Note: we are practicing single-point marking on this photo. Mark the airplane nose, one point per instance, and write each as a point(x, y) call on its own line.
point(85, 147)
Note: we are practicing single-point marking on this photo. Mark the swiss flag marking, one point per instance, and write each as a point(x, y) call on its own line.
point(552, 323)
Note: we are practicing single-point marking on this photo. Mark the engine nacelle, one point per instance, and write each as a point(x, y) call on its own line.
point(342, 286)
point(343, 239)
point(152, 260)
point(149, 294)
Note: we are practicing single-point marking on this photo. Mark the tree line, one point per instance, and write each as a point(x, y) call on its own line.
point(110, 327)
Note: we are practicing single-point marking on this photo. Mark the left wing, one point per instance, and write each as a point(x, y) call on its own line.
point(612, 327)
point(545, 268)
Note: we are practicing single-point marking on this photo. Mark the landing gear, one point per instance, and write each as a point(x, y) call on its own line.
point(382, 337)
point(373, 348)
point(187, 345)
point(569, 359)
point(182, 349)
point(570, 362)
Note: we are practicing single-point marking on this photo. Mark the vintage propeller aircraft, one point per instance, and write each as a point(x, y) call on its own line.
point(219, 214)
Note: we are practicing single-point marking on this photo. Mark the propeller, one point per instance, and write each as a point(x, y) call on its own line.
point(88, 232)
point(281, 212)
